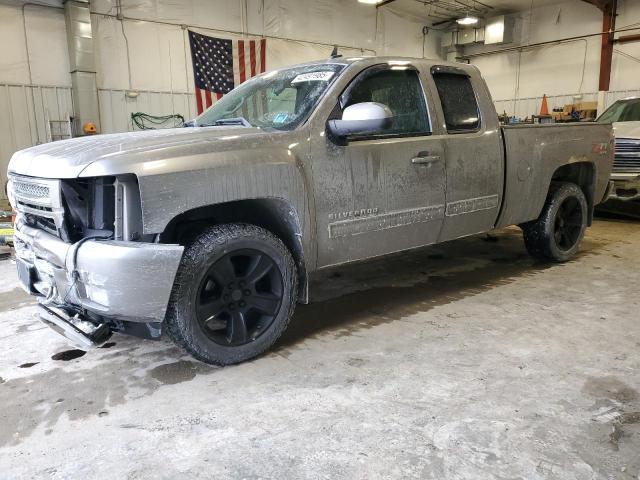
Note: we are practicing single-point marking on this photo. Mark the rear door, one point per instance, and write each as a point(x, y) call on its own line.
point(381, 193)
point(474, 152)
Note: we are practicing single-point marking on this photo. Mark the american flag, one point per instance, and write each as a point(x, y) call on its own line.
point(219, 65)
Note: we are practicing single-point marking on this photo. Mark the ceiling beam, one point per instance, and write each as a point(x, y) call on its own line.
point(603, 5)
point(627, 39)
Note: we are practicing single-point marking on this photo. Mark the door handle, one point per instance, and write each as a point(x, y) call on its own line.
point(424, 159)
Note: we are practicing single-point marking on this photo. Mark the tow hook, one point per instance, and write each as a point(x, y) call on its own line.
point(80, 331)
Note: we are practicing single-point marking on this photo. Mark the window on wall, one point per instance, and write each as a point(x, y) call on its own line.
point(459, 104)
point(401, 91)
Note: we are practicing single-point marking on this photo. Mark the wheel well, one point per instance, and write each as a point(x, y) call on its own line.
point(583, 175)
point(273, 214)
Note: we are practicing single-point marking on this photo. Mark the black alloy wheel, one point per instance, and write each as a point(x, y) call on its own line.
point(557, 233)
point(568, 224)
point(239, 297)
point(234, 293)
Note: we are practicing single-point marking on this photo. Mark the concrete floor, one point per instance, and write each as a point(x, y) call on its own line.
point(466, 360)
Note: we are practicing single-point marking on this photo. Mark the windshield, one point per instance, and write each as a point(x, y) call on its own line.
point(622, 111)
point(280, 99)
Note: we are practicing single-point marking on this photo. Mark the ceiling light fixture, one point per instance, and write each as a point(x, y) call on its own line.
point(467, 20)
point(370, 2)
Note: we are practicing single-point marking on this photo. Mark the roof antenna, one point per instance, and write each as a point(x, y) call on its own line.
point(334, 53)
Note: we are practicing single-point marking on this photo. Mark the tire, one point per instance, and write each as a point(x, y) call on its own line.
point(557, 233)
point(229, 276)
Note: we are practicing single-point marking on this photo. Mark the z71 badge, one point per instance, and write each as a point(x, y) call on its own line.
point(601, 148)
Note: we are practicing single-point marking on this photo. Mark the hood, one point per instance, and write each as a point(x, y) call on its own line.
point(626, 129)
point(68, 158)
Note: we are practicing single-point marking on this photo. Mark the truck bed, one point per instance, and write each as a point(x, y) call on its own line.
point(535, 153)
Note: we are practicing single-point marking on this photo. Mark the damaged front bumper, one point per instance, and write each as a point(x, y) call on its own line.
point(125, 285)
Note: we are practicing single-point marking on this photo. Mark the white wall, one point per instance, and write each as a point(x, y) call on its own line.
point(517, 80)
point(296, 31)
point(625, 71)
point(34, 64)
point(34, 77)
point(44, 38)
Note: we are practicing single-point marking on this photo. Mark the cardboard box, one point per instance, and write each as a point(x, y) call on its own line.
point(587, 114)
point(586, 106)
point(561, 116)
point(568, 108)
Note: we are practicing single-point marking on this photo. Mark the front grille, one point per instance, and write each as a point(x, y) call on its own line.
point(39, 200)
point(34, 207)
point(68, 210)
point(31, 190)
point(627, 158)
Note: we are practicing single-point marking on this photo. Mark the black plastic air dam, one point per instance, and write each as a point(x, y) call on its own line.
point(78, 331)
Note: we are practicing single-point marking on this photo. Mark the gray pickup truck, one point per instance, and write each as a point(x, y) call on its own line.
point(210, 233)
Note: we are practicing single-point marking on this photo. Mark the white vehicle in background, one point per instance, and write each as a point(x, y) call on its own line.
point(624, 196)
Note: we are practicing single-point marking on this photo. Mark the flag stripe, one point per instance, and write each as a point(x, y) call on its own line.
point(245, 69)
point(207, 96)
point(241, 60)
point(199, 100)
point(252, 56)
point(253, 60)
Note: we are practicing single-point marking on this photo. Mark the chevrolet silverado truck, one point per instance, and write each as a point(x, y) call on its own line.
point(209, 234)
point(624, 196)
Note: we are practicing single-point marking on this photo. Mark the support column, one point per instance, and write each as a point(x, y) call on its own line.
point(606, 53)
point(82, 64)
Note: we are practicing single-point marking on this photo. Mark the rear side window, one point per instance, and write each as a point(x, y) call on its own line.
point(461, 112)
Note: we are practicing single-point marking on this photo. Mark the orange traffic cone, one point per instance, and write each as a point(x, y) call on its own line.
point(544, 109)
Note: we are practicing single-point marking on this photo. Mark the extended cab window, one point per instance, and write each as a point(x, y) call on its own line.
point(459, 104)
point(401, 91)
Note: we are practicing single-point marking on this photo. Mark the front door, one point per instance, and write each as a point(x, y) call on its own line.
point(384, 192)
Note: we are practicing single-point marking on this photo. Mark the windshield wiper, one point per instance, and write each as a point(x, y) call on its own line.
point(241, 121)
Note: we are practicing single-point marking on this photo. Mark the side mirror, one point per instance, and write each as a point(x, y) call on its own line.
point(364, 118)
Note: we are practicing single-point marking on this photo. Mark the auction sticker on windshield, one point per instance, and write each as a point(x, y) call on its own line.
point(313, 77)
point(280, 117)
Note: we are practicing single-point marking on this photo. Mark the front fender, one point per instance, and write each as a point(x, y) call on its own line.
point(166, 196)
point(254, 171)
